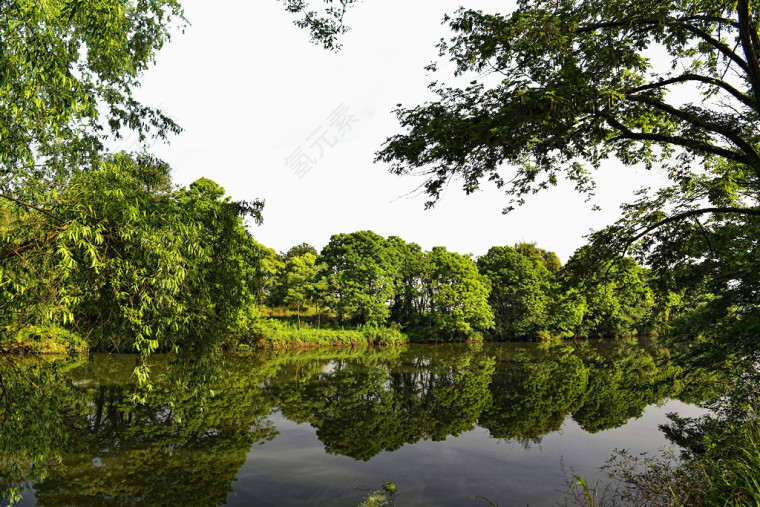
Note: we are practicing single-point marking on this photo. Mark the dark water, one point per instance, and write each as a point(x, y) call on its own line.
point(323, 427)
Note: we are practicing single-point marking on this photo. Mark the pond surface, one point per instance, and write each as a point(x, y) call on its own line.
point(445, 423)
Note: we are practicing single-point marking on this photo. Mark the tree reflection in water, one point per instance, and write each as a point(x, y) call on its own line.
point(81, 440)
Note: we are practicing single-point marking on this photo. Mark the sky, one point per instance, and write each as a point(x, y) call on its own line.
point(270, 116)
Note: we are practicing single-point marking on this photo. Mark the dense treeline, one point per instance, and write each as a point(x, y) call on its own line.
point(121, 260)
point(510, 293)
point(124, 261)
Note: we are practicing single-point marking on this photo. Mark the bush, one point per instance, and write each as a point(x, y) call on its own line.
point(44, 340)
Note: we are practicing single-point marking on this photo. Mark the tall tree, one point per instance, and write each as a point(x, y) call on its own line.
point(302, 273)
point(409, 298)
point(617, 295)
point(520, 292)
point(457, 296)
point(362, 274)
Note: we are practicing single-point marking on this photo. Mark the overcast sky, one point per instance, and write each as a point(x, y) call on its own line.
point(256, 99)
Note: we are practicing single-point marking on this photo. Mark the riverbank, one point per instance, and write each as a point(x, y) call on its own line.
point(263, 333)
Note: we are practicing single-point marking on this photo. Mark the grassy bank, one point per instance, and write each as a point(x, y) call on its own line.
point(272, 333)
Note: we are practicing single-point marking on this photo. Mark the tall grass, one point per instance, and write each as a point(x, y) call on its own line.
point(274, 333)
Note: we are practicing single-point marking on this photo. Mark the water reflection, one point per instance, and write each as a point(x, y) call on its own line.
point(84, 441)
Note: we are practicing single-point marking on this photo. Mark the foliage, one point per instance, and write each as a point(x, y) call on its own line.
point(300, 250)
point(618, 298)
point(456, 295)
point(69, 72)
point(576, 86)
point(130, 264)
point(43, 340)
point(325, 27)
point(520, 292)
point(361, 275)
point(408, 300)
point(549, 259)
point(301, 278)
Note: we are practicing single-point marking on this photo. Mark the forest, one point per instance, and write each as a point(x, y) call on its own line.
point(101, 251)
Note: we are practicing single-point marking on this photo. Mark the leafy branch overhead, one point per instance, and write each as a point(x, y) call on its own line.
point(560, 87)
point(326, 25)
point(68, 70)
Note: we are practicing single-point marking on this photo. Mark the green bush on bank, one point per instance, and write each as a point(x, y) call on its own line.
point(42, 340)
point(272, 333)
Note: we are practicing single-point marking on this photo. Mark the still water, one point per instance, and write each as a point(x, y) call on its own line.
point(445, 423)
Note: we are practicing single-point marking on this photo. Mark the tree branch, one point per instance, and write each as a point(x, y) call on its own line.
point(741, 96)
point(730, 134)
point(700, 146)
point(723, 48)
point(750, 45)
point(30, 206)
point(29, 245)
point(693, 213)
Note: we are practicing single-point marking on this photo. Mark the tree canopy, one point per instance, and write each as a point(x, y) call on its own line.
point(69, 70)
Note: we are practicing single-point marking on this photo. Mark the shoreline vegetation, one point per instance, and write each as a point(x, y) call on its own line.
point(360, 289)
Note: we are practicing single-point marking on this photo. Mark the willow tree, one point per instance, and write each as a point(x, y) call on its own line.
point(68, 71)
point(96, 242)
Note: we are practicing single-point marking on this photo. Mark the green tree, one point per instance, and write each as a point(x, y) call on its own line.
point(268, 266)
point(409, 299)
point(549, 259)
point(298, 250)
point(456, 295)
point(362, 276)
point(69, 70)
point(131, 264)
point(302, 273)
point(520, 292)
point(618, 298)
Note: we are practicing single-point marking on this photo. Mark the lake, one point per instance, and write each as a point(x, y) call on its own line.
point(445, 423)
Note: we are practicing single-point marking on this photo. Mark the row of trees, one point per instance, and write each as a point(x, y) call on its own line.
point(520, 292)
